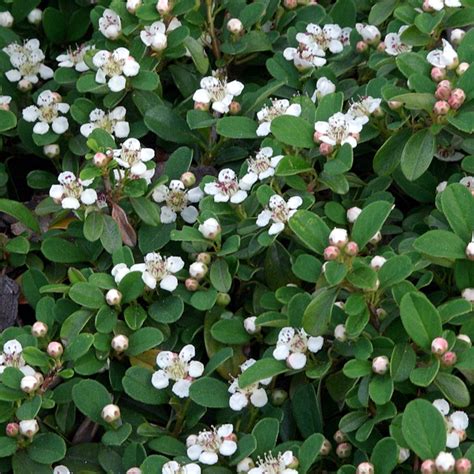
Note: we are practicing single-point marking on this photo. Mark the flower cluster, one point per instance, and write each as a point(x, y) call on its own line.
point(72, 192)
point(113, 68)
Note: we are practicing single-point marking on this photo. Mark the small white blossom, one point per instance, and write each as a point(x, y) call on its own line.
point(29, 428)
point(456, 423)
point(155, 35)
point(176, 199)
point(61, 469)
point(119, 271)
point(338, 237)
point(275, 465)
point(35, 16)
point(112, 122)
point(443, 58)
point(254, 393)
point(279, 211)
point(292, 346)
point(6, 19)
point(361, 110)
point(250, 326)
point(217, 91)
point(370, 33)
point(261, 167)
point(110, 24)
point(457, 35)
point(445, 462)
point(468, 294)
point(70, 191)
point(179, 368)
point(226, 188)
point(338, 130)
point(117, 66)
point(74, 58)
point(353, 213)
point(12, 357)
point(377, 262)
point(158, 270)
point(133, 157)
point(27, 61)
point(47, 114)
point(393, 43)
point(210, 228)
point(173, 467)
point(324, 86)
point(207, 445)
point(440, 4)
point(277, 108)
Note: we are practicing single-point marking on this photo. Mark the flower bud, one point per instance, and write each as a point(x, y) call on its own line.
point(438, 74)
point(250, 326)
point(381, 47)
point(55, 349)
point(223, 299)
point(191, 284)
point(39, 378)
point(362, 47)
point(188, 179)
point(201, 106)
point(133, 5)
point(439, 346)
point(426, 6)
point(24, 85)
point(457, 98)
point(445, 462)
point(29, 428)
point(325, 149)
point(51, 151)
point(380, 365)
point(6, 19)
point(463, 466)
point(29, 383)
point(39, 329)
point(235, 26)
point(448, 359)
point(403, 455)
point(234, 108)
point(365, 468)
point(35, 16)
point(279, 396)
point(198, 270)
point(317, 137)
point(351, 249)
point(340, 333)
point(331, 252)
point(343, 450)
point(376, 238)
point(441, 107)
point(100, 159)
point(465, 338)
point(353, 213)
point(468, 294)
point(119, 343)
point(111, 413)
point(377, 262)
point(457, 35)
point(245, 465)
point(210, 229)
point(290, 4)
point(381, 313)
point(163, 7)
point(338, 237)
point(326, 448)
point(204, 257)
point(462, 68)
point(340, 437)
point(134, 470)
point(395, 104)
point(113, 297)
point(428, 467)
point(12, 430)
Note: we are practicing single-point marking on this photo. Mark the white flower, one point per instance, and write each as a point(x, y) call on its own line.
point(112, 122)
point(279, 211)
point(159, 270)
point(441, 186)
point(29, 383)
point(393, 43)
point(179, 368)
point(338, 237)
point(440, 4)
point(353, 213)
point(361, 110)
point(208, 444)
point(377, 262)
point(250, 326)
point(173, 467)
point(292, 346)
point(29, 428)
point(468, 294)
point(35, 16)
point(261, 167)
point(75, 58)
point(324, 86)
point(47, 113)
point(443, 58)
point(133, 157)
point(456, 423)
point(61, 469)
point(110, 24)
point(117, 66)
point(338, 130)
point(163, 7)
point(445, 462)
point(457, 35)
point(154, 35)
point(277, 108)
point(275, 465)
point(210, 228)
point(119, 271)
point(70, 191)
point(340, 333)
point(177, 199)
point(370, 33)
point(6, 19)
point(217, 91)
point(254, 393)
point(12, 357)
point(467, 181)
point(27, 61)
point(133, 5)
point(226, 188)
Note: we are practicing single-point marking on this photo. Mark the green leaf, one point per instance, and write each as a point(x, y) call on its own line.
point(93, 226)
point(370, 221)
point(294, 131)
point(90, 397)
point(463, 121)
point(137, 384)
point(440, 243)
point(395, 270)
point(309, 452)
point(201, 389)
point(266, 433)
point(453, 388)
point(7, 120)
point(420, 319)
point(381, 389)
point(54, 24)
point(47, 448)
point(388, 156)
point(311, 230)
point(329, 105)
point(147, 210)
point(262, 369)
point(7, 446)
point(198, 54)
point(220, 276)
point(178, 162)
point(458, 207)
point(317, 315)
point(292, 165)
point(402, 362)
point(424, 429)
point(237, 127)
point(167, 310)
point(86, 295)
point(20, 212)
point(169, 126)
point(380, 11)
point(131, 286)
point(418, 154)
point(385, 456)
point(230, 331)
point(29, 409)
point(143, 340)
point(343, 13)
point(110, 237)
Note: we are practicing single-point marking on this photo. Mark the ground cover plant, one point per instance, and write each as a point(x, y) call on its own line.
point(236, 236)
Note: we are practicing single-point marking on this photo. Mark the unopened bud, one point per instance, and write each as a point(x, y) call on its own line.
point(427, 6)
point(463, 466)
point(462, 68)
point(235, 26)
point(279, 396)
point(201, 106)
point(353, 213)
point(381, 314)
point(448, 359)
point(134, 470)
point(12, 430)
point(29, 383)
point(234, 108)
point(55, 349)
point(163, 7)
point(439, 346)
point(395, 104)
point(465, 338)
point(325, 149)
point(100, 159)
point(340, 437)
point(445, 462)
point(457, 35)
point(39, 329)
point(338, 237)
point(113, 297)
point(250, 326)
point(191, 284)
point(188, 179)
point(351, 249)
point(438, 74)
point(198, 270)
point(119, 343)
point(377, 262)
point(403, 455)
point(343, 450)
point(210, 228)
point(362, 47)
point(340, 333)
point(381, 47)
point(290, 4)
point(29, 428)
point(376, 238)
point(380, 365)
point(51, 151)
point(317, 137)
point(365, 468)
point(331, 252)
point(428, 467)
point(245, 466)
point(35, 16)
point(111, 413)
point(133, 5)
point(457, 98)
point(204, 257)
point(441, 107)
point(326, 448)
point(223, 299)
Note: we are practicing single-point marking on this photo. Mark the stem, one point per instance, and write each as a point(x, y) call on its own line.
point(212, 31)
point(180, 417)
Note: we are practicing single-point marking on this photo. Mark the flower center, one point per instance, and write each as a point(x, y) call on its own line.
point(113, 67)
point(178, 369)
point(228, 188)
point(48, 113)
point(177, 200)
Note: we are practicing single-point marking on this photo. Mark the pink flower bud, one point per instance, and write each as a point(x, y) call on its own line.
point(381, 47)
point(441, 107)
point(459, 94)
point(119, 343)
point(325, 149)
point(55, 349)
point(164, 7)
point(438, 74)
point(134, 470)
point(428, 467)
point(463, 466)
point(439, 346)
point(340, 437)
point(380, 365)
point(12, 430)
point(426, 6)
point(191, 284)
point(317, 137)
point(100, 159)
point(39, 329)
point(351, 249)
point(365, 468)
point(188, 179)
point(343, 450)
point(442, 92)
point(24, 85)
point(325, 448)
point(361, 46)
point(449, 358)
point(331, 252)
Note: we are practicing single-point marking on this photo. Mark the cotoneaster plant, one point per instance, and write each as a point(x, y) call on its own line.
point(236, 236)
